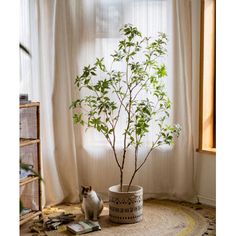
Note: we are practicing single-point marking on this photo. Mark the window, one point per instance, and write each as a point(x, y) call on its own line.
point(207, 109)
point(109, 18)
point(149, 16)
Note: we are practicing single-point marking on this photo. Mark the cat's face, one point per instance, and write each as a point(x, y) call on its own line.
point(86, 190)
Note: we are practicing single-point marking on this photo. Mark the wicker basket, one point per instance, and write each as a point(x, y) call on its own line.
point(125, 207)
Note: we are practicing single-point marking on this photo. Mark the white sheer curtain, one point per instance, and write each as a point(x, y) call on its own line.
point(68, 34)
point(25, 59)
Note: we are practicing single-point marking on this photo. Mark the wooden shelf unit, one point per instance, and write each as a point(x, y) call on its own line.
point(28, 180)
point(31, 104)
point(26, 142)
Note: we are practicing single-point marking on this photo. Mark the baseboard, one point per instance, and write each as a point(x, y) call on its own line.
point(207, 201)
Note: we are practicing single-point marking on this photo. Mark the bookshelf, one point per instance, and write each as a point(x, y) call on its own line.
point(30, 186)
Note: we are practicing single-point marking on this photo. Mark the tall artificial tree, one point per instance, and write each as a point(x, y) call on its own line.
point(115, 94)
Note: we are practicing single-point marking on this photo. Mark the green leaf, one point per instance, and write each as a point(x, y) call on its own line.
point(77, 118)
point(161, 72)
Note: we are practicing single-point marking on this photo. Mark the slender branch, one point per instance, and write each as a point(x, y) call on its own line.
point(136, 160)
point(125, 137)
point(151, 149)
point(115, 154)
point(114, 142)
point(83, 109)
point(146, 67)
point(117, 94)
point(114, 139)
point(136, 156)
point(121, 100)
point(141, 88)
point(117, 117)
point(145, 159)
point(109, 119)
point(128, 112)
point(113, 148)
point(131, 180)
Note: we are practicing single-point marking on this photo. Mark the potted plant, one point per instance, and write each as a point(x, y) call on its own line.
point(138, 93)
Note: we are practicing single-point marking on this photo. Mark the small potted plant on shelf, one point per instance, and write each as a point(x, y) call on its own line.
point(136, 93)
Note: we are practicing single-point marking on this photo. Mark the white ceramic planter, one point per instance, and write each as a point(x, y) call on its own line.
point(125, 207)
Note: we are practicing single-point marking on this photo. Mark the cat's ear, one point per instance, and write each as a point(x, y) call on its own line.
point(90, 188)
point(82, 187)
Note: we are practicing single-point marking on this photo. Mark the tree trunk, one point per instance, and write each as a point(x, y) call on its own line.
point(121, 180)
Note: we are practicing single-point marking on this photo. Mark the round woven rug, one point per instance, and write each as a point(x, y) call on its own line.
point(160, 217)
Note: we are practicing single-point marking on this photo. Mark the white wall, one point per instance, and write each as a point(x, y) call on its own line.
point(205, 171)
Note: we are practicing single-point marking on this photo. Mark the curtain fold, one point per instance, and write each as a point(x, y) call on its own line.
point(68, 34)
point(182, 69)
point(52, 73)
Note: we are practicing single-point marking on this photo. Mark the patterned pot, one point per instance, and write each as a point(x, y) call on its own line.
point(125, 207)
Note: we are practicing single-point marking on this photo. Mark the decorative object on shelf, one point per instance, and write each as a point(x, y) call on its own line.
point(24, 99)
point(136, 93)
point(26, 171)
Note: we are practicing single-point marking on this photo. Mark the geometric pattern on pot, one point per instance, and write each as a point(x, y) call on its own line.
point(126, 201)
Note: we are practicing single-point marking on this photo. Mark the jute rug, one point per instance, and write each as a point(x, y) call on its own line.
point(160, 217)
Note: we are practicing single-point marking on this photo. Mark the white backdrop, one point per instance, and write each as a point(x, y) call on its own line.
point(68, 34)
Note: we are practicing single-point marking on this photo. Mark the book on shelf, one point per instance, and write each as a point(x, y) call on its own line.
point(83, 227)
point(24, 99)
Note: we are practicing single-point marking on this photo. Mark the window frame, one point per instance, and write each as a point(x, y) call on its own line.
point(207, 98)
